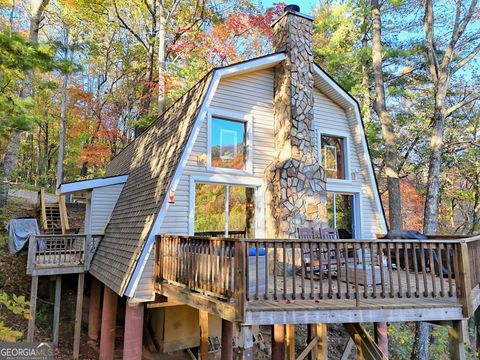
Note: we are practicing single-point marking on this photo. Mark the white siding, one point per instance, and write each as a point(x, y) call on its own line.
point(328, 116)
point(252, 94)
point(102, 203)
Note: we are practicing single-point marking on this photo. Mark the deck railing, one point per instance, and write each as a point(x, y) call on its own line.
point(47, 252)
point(245, 271)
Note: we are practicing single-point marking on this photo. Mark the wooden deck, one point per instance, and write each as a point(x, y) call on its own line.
point(60, 254)
point(257, 281)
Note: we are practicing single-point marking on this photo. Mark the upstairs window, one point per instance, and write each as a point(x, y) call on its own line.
point(333, 156)
point(228, 145)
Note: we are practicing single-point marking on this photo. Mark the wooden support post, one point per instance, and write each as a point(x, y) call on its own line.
point(56, 309)
point(107, 333)
point(311, 335)
point(94, 309)
point(203, 322)
point(227, 340)
point(78, 316)
point(245, 342)
point(133, 335)
point(278, 342)
point(33, 309)
point(290, 335)
point(381, 336)
point(465, 280)
point(457, 340)
point(322, 341)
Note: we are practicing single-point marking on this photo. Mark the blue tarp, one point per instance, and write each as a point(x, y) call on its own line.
point(19, 230)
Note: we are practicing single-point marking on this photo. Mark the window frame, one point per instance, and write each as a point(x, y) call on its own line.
point(346, 151)
point(231, 180)
point(247, 119)
point(356, 192)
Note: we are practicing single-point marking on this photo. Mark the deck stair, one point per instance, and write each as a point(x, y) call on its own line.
point(53, 216)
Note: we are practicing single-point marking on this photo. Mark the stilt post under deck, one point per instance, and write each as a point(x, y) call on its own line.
point(133, 335)
point(290, 335)
point(227, 340)
point(94, 309)
point(381, 336)
point(457, 340)
point(245, 342)
point(107, 334)
point(278, 342)
point(322, 341)
point(203, 321)
point(78, 316)
point(56, 309)
point(33, 309)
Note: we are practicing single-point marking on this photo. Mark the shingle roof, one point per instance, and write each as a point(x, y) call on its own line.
point(150, 161)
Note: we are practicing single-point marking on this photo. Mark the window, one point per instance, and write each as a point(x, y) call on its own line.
point(333, 156)
point(341, 213)
point(223, 210)
point(228, 144)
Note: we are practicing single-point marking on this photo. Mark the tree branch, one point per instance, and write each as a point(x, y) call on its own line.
point(128, 28)
point(467, 100)
point(431, 53)
point(466, 59)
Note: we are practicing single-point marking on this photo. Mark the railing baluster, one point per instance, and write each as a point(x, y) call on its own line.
point(440, 269)
point(329, 272)
point(355, 276)
point(364, 269)
point(275, 260)
point(257, 277)
point(458, 290)
point(266, 296)
point(432, 270)
point(312, 271)
point(247, 272)
point(302, 270)
point(284, 247)
point(382, 273)
point(399, 278)
point(372, 267)
point(390, 275)
point(347, 279)
point(294, 290)
point(449, 270)
point(415, 268)
point(319, 251)
point(339, 275)
point(407, 269)
point(424, 270)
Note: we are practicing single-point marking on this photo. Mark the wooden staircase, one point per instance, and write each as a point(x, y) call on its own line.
point(53, 216)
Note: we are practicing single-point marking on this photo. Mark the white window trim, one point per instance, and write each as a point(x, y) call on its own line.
point(233, 181)
point(356, 191)
point(346, 142)
point(235, 116)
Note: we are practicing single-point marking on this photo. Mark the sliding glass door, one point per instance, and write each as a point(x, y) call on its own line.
point(341, 209)
point(224, 210)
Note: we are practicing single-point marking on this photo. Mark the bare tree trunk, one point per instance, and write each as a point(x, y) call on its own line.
point(13, 148)
point(391, 168)
point(63, 118)
point(161, 34)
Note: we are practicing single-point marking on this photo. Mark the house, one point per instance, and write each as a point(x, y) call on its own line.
point(271, 145)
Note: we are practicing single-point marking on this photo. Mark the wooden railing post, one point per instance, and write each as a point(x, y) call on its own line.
point(87, 251)
point(32, 248)
point(240, 283)
point(464, 281)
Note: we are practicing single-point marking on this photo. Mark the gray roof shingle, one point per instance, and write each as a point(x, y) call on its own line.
point(151, 161)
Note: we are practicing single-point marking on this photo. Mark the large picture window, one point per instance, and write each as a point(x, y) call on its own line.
point(228, 144)
point(224, 210)
point(333, 156)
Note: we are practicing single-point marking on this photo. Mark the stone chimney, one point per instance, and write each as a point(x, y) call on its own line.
point(296, 188)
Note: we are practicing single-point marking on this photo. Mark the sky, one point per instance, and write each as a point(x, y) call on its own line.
point(306, 6)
